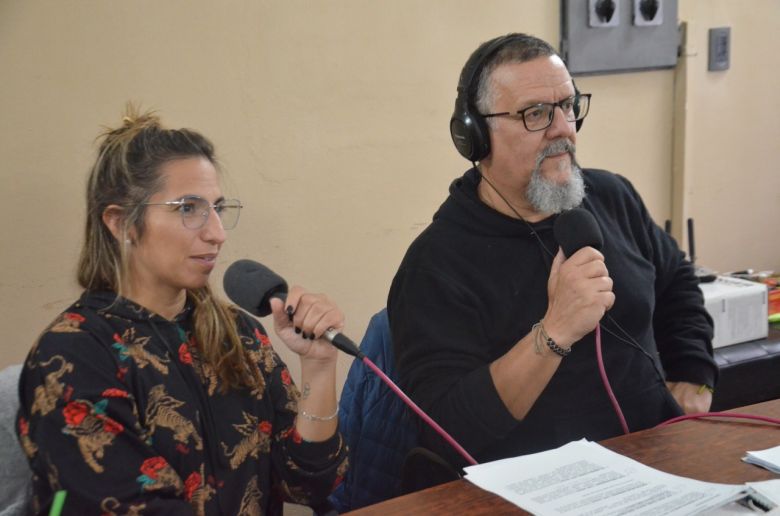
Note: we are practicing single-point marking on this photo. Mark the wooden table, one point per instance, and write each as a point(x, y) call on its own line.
point(709, 450)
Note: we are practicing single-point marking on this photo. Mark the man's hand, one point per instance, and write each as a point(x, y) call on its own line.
point(579, 292)
point(691, 397)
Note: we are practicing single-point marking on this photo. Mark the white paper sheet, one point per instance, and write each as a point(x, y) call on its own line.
point(769, 459)
point(583, 478)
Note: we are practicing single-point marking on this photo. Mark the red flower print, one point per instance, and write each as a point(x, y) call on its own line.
point(68, 393)
point(191, 485)
point(74, 317)
point(185, 357)
point(182, 449)
point(111, 426)
point(75, 412)
point(262, 338)
point(286, 379)
point(24, 426)
point(152, 465)
point(120, 373)
point(265, 427)
point(118, 339)
point(115, 393)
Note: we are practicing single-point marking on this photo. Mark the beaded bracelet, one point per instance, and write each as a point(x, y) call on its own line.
point(555, 348)
point(312, 417)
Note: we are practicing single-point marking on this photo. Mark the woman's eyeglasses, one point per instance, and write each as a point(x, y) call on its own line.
point(195, 211)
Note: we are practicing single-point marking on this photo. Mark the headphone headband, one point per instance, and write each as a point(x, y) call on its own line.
point(469, 76)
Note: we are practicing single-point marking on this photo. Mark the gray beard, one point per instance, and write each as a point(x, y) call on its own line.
point(548, 196)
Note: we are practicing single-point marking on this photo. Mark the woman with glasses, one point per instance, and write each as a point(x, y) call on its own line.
point(149, 394)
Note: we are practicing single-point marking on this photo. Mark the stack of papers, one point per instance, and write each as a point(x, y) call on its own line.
point(769, 459)
point(582, 478)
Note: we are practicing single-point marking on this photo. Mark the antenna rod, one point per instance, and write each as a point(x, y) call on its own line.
point(691, 244)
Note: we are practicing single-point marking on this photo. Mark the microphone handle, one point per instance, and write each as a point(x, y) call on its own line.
point(342, 342)
point(339, 341)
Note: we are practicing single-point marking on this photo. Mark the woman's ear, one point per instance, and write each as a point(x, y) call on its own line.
point(112, 218)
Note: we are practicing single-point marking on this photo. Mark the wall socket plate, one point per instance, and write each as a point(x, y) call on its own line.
point(719, 56)
point(623, 46)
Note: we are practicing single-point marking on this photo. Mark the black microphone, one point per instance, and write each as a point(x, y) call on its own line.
point(251, 285)
point(575, 229)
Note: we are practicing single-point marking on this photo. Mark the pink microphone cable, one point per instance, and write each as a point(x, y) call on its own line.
point(417, 410)
point(735, 415)
point(605, 381)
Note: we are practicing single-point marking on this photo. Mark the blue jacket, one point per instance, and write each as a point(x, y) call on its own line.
point(377, 426)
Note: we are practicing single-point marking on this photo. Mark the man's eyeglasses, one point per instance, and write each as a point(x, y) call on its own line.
point(195, 211)
point(540, 116)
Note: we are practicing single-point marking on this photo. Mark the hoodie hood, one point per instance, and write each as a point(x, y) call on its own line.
point(110, 303)
point(464, 208)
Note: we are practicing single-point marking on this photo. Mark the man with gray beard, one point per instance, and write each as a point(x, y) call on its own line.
point(494, 328)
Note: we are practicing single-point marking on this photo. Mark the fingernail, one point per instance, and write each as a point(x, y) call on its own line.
point(297, 330)
point(290, 312)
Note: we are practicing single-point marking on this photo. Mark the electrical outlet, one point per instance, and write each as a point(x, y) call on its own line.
point(648, 12)
point(603, 13)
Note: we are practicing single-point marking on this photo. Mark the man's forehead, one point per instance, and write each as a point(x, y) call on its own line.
point(544, 75)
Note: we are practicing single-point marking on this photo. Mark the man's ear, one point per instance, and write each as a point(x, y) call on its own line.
point(112, 217)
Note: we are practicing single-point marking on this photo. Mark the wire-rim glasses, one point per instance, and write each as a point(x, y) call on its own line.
point(195, 211)
point(540, 116)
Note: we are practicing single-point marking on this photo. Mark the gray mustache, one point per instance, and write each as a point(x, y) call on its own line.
point(556, 147)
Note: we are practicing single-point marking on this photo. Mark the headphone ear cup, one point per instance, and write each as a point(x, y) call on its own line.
point(470, 133)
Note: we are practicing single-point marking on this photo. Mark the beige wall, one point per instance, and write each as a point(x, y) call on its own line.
point(331, 121)
point(732, 136)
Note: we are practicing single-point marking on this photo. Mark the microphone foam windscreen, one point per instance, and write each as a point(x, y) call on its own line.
point(575, 229)
point(250, 285)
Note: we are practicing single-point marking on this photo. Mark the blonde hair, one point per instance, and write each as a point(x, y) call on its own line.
point(126, 173)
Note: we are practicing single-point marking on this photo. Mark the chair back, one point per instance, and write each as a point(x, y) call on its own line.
point(15, 473)
point(375, 423)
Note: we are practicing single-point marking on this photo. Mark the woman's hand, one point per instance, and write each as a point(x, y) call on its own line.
point(301, 321)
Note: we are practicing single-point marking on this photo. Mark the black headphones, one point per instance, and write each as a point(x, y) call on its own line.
point(468, 128)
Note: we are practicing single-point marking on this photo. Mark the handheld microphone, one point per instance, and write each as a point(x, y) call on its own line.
point(573, 230)
point(251, 285)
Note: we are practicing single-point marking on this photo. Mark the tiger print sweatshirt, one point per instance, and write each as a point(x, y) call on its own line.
point(118, 409)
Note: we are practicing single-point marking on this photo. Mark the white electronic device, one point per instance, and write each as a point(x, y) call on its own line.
point(738, 308)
